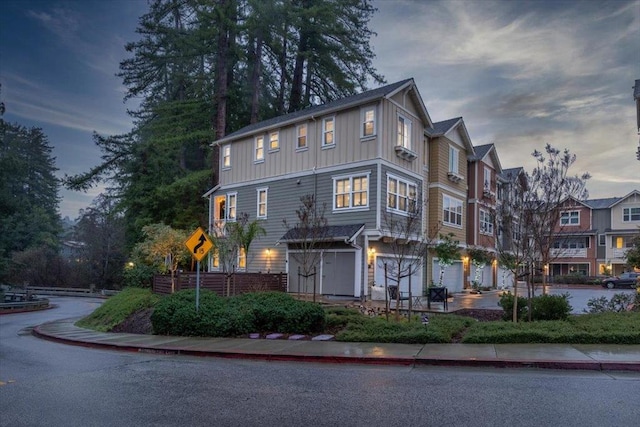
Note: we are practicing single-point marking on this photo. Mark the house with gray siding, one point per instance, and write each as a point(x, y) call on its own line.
point(363, 158)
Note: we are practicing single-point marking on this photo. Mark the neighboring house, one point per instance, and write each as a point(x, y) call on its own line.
point(72, 250)
point(363, 157)
point(449, 148)
point(625, 224)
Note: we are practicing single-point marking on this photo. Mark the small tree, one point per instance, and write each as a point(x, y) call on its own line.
point(479, 257)
point(633, 253)
point(164, 247)
point(447, 251)
point(307, 235)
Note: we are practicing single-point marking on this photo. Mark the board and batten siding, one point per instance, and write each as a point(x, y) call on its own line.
point(616, 213)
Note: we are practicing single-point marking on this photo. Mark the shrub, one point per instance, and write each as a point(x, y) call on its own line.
point(116, 309)
point(138, 276)
point(239, 315)
point(506, 302)
point(551, 307)
point(619, 302)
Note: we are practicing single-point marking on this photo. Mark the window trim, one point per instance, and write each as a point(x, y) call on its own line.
point(241, 256)
point(630, 214)
point(451, 199)
point(488, 230)
point(351, 192)
point(325, 132)
point(454, 166)
point(265, 191)
point(226, 154)
point(602, 240)
point(306, 137)
point(407, 132)
point(258, 147)
point(569, 222)
point(277, 141)
point(409, 184)
point(364, 121)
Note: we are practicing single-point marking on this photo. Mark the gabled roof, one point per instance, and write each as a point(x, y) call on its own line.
point(511, 173)
point(482, 151)
point(636, 192)
point(339, 104)
point(330, 233)
point(444, 127)
point(601, 203)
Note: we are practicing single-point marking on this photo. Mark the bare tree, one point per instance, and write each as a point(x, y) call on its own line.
point(307, 236)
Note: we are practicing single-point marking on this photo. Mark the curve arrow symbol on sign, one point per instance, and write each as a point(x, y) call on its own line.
point(202, 239)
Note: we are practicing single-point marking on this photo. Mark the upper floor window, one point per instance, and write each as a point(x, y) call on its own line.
point(404, 132)
point(232, 203)
point(368, 116)
point(351, 192)
point(226, 156)
point(259, 149)
point(631, 214)
point(602, 239)
point(451, 211)
point(262, 203)
point(328, 132)
point(301, 141)
point(401, 195)
point(487, 179)
point(570, 218)
point(486, 222)
point(274, 141)
point(454, 160)
point(242, 258)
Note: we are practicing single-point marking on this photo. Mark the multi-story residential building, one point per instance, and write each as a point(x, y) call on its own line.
point(625, 224)
point(362, 157)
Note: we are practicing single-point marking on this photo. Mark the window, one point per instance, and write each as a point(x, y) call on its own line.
point(404, 132)
point(452, 211)
point(215, 258)
point(368, 122)
point(328, 132)
point(630, 214)
point(351, 192)
point(401, 195)
point(262, 203)
point(454, 160)
point(226, 156)
point(242, 258)
point(259, 151)
point(302, 137)
point(602, 240)
point(232, 202)
point(487, 179)
point(486, 222)
point(570, 218)
point(274, 141)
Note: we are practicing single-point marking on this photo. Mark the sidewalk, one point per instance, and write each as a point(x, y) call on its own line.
point(549, 356)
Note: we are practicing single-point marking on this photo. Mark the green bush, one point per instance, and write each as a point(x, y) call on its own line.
point(506, 302)
point(138, 276)
point(239, 315)
point(117, 308)
point(551, 307)
point(619, 302)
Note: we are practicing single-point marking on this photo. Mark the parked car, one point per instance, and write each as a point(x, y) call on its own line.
point(624, 280)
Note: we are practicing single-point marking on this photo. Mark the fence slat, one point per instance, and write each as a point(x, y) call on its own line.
point(217, 282)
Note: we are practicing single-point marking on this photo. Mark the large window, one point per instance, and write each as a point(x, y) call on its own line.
point(451, 211)
point(404, 132)
point(302, 137)
point(454, 160)
point(570, 218)
point(262, 203)
point(259, 149)
point(630, 214)
point(226, 156)
point(351, 192)
point(368, 122)
point(328, 132)
point(486, 222)
point(401, 195)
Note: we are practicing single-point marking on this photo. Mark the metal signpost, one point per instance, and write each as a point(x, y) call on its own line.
point(199, 245)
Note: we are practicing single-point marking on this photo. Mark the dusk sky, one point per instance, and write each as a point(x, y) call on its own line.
point(520, 73)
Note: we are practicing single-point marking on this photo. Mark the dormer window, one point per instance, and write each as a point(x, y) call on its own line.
point(404, 132)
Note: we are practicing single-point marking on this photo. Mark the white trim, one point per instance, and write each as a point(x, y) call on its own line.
point(226, 147)
point(277, 140)
point(228, 206)
point(257, 148)
point(440, 186)
point(306, 137)
point(363, 120)
point(408, 183)
point(351, 191)
point(569, 217)
point(325, 132)
point(452, 224)
point(266, 198)
point(407, 134)
point(456, 153)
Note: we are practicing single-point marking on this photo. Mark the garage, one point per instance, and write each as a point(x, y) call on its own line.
point(335, 274)
point(453, 276)
point(416, 280)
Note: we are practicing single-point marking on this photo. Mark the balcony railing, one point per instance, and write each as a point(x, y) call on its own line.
point(218, 228)
point(618, 252)
point(569, 253)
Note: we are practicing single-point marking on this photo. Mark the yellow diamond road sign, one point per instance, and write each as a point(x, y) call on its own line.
point(199, 244)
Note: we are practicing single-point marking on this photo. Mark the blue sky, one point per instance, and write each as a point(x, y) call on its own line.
point(521, 73)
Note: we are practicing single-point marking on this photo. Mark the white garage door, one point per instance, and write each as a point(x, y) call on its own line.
point(453, 276)
point(505, 278)
point(485, 275)
point(416, 279)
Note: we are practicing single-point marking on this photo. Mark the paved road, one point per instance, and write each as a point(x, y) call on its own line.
point(50, 384)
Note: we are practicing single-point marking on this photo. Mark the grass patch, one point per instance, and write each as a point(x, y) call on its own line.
point(117, 308)
point(441, 329)
point(604, 328)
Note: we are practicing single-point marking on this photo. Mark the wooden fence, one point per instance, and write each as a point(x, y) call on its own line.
point(239, 283)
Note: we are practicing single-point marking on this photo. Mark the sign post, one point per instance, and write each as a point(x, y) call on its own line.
point(199, 245)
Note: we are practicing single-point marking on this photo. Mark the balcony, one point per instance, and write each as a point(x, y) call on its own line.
point(218, 228)
point(405, 153)
point(569, 253)
point(455, 177)
point(618, 253)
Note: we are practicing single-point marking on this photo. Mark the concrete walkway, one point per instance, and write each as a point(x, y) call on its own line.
point(551, 356)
